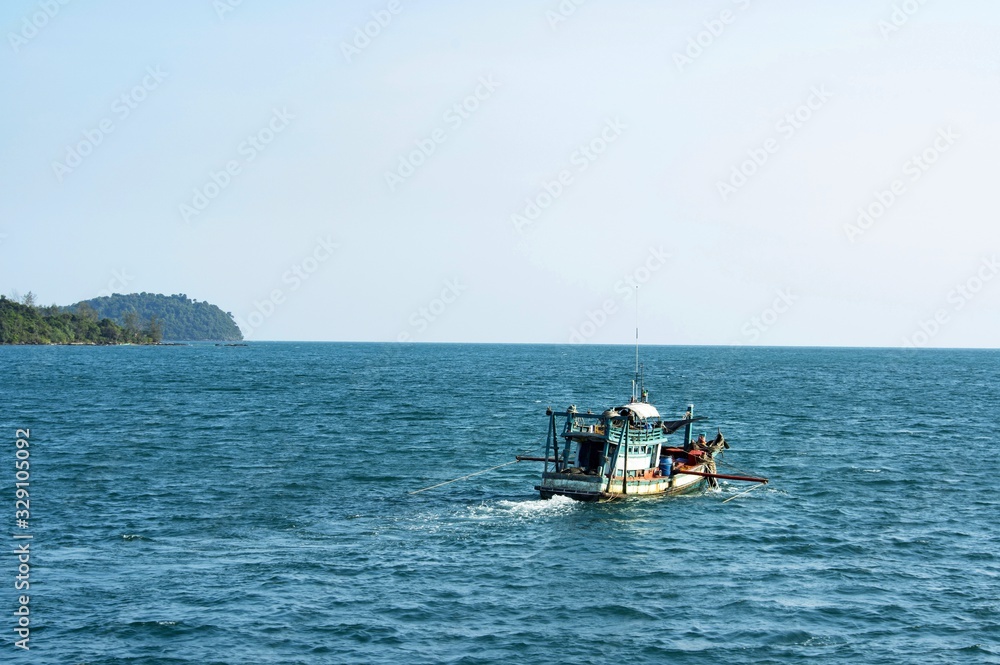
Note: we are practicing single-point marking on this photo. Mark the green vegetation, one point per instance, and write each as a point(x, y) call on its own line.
point(23, 323)
point(175, 317)
point(136, 318)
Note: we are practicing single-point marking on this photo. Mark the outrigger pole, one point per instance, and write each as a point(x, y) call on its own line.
point(749, 479)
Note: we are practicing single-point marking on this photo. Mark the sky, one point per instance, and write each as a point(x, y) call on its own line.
point(766, 173)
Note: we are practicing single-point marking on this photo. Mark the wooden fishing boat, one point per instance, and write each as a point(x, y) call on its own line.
point(624, 451)
point(621, 452)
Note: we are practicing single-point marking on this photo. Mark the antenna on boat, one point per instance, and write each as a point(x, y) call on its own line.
point(635, 381)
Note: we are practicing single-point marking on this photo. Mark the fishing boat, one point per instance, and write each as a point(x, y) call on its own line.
point(624, 451)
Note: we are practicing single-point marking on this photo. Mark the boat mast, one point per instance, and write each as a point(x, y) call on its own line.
point(635, 381)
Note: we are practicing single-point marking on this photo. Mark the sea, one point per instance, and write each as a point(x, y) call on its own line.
point(254, 504)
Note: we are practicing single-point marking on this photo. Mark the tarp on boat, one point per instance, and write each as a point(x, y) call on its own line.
point(671, 426)
point(641, 409)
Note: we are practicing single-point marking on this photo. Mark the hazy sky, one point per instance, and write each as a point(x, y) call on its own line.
point(770, 172)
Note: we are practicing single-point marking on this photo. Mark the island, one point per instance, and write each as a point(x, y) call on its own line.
point(135, 318)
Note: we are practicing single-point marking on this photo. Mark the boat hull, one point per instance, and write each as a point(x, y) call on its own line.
point(599, 488)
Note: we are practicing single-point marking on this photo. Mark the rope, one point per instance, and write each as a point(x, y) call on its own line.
point(733, 467)
point(463, 477)
point(743, 492)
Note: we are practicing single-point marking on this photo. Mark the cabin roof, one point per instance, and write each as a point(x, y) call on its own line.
point(641, 409)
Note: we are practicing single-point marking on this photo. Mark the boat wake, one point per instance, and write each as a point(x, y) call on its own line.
point(525, 509)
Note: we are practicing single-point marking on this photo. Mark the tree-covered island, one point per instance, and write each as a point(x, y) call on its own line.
point(136, 318)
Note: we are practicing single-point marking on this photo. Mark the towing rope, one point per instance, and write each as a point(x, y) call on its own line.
point(742, 493)
point(455, 480)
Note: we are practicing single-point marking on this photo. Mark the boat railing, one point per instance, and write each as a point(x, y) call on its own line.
point(577, 415)
point(588, 429)
point(637, 434)
point(640, 433)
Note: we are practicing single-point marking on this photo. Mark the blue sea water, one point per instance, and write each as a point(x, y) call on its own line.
point(205, 504)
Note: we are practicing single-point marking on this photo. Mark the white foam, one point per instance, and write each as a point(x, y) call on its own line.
point(526, 509)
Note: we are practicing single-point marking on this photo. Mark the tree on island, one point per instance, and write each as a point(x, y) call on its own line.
point(110, 331)
point(155, 330)
point(131, 323)
point(85, 311)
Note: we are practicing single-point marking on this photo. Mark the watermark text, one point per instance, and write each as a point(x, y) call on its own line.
point(22, 538)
